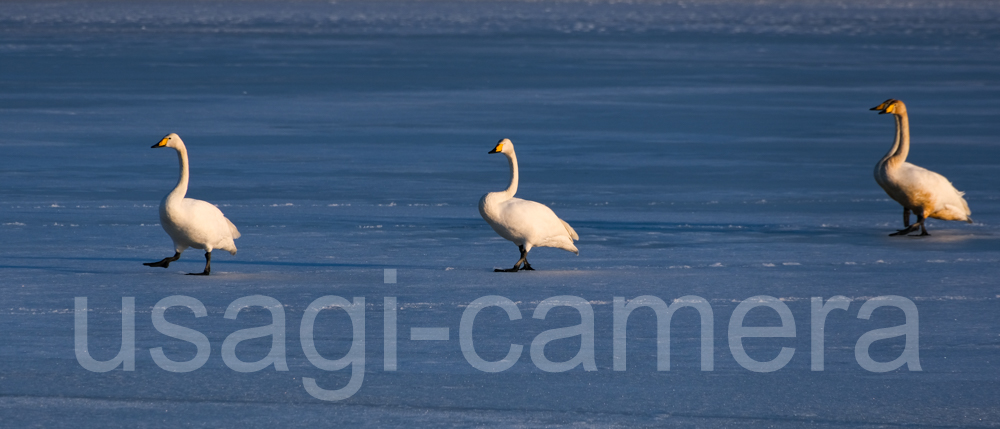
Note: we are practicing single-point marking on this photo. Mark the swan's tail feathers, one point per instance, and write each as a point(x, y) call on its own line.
point(569, 247)
point(232, 229)
point(965, 204)
point(952, 212)
point(570, 230)
point(559, 242)
point(230, 246)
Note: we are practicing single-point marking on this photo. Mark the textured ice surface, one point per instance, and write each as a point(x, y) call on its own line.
point(716, 149)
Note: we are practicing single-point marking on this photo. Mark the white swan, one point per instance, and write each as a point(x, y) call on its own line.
point(190, 222)
point(922, 191)
point(527, 223)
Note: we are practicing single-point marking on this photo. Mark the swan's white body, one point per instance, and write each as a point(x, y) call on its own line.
point(526, 223)
point(190, 222)
point(917, 189)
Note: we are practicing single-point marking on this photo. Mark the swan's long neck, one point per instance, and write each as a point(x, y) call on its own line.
point(182, 183)
point(903, 124)
point(895, 145)
point(512, 188)
point(901, 147)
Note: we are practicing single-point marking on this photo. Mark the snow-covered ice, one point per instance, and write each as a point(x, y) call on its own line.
point(716, 149)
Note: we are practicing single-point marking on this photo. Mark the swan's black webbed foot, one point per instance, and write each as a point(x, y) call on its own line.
point(208, 266)
point(165, 262)
point(912, 228)
point(509, 270)
point(906, 231)
point(527, 267)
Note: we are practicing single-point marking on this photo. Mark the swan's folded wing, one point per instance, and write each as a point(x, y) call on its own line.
point(206, 221)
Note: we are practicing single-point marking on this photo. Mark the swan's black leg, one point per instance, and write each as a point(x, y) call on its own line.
point(524, 257)
point(923, 227)
point(165, 262)
point(527, 266)
point(517, 265)
point(907, 228)
point(919, 225)
point(208, 266)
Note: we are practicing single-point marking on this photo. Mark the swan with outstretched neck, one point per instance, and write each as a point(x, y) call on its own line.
point(190, 222)
point(526, 223)
point(917, 189)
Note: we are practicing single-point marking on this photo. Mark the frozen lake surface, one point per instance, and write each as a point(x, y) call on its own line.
point(700, 148)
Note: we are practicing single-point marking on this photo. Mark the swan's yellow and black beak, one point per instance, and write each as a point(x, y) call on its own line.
point(497, 149)
point(887, 106)
point(162, 143)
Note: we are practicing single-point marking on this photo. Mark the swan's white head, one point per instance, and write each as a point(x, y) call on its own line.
point(504, 146)
point(891, 105)
point(171, 140)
